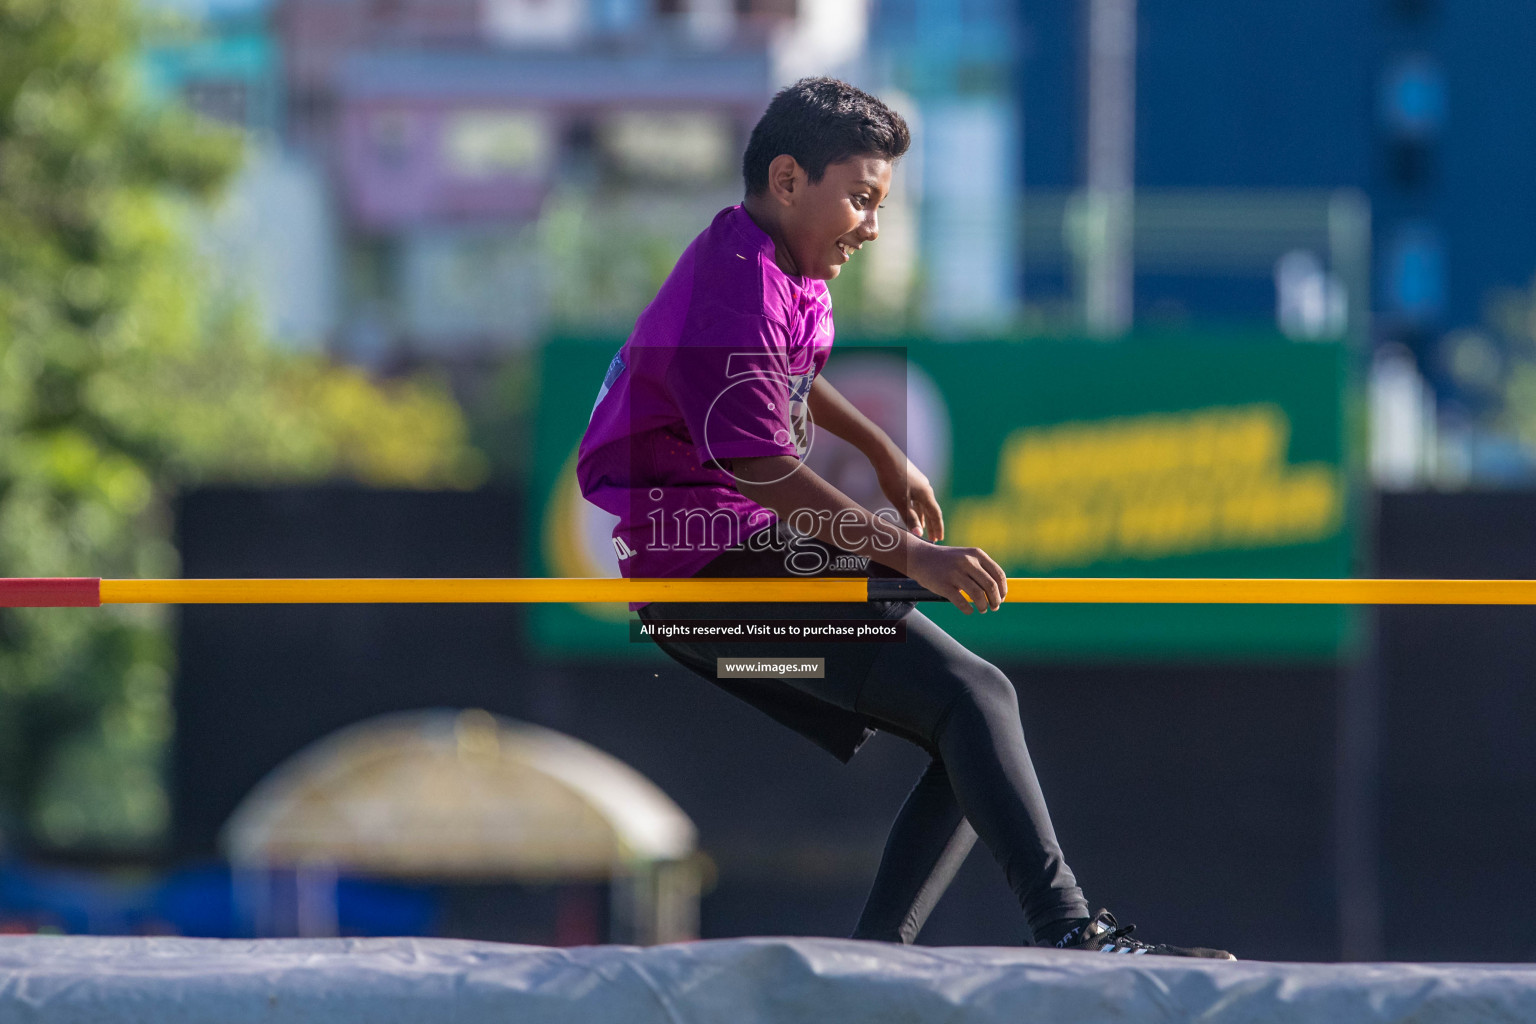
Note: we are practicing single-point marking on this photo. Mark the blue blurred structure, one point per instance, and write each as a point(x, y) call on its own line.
point(1227, 97)
point(1428, 107)
point(220, 58)
point(199, 900)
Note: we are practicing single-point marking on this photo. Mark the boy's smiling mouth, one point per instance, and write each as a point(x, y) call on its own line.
point(847, 250)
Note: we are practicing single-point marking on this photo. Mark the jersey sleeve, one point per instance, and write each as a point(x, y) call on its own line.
point(732, 386)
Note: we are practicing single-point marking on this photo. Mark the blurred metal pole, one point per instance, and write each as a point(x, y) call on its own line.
point(1105, 242)
point(1357, 799)
point(1349, 252)
point(1357, 778)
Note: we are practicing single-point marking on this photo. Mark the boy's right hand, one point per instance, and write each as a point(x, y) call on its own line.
point(949, 571)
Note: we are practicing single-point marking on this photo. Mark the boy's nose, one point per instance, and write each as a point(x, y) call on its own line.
point(870, 229)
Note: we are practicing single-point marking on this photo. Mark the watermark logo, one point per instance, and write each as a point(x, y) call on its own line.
point(722, 529)
point(849, 563)
point(784, 420)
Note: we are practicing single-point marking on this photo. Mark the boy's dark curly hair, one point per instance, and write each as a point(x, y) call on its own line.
point(821, 121)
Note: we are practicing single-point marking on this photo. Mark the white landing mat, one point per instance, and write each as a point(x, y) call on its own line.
point(86, 980)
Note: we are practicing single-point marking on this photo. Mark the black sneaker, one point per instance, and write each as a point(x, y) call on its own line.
point(1103, 934)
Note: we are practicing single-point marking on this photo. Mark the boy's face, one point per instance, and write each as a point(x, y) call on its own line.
point(826, 221)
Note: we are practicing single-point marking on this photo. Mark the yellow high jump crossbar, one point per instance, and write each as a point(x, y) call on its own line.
point(91, 592)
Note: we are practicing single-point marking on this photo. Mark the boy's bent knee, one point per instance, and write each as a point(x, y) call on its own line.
point(989, 687)
point(985, 692)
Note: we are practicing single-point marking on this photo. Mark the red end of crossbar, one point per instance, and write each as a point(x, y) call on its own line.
point(62, 592)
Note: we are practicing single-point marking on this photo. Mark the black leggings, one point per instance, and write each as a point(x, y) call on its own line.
point(964, 712)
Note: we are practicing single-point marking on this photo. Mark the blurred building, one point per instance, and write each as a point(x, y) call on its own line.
point(509, 168)
point(448, 180)
point(485, 173)
point(273, 236)
point(959, 64)
point(455, 166)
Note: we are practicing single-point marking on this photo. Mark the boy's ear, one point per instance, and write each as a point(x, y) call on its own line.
point(786, 178)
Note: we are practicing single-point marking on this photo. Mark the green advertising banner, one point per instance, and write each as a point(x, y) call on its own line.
point(1187, 456)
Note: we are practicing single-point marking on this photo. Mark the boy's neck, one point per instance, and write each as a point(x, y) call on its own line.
point(766, 217)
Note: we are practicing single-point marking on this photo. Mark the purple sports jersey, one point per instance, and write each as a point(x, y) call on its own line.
point(719, 366)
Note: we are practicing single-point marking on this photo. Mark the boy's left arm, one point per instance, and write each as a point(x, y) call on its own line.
point(902, 482)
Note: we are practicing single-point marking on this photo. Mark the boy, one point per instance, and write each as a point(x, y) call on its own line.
point(695, 443)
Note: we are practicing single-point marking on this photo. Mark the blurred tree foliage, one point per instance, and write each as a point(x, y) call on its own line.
point(1512, 316)
point(123, 377)
point(1488, 422)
